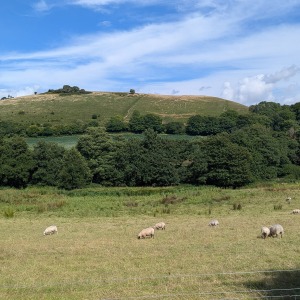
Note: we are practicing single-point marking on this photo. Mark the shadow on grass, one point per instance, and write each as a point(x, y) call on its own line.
point(278, 285)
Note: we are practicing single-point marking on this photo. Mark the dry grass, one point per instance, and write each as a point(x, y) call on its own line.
point(56, 109)
point(101, 258)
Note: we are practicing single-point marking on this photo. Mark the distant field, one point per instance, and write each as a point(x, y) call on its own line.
point(96, 254)
point(71, 140)
point(56, 109)
point(65, 141)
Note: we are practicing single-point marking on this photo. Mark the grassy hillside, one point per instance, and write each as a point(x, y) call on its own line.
point(56, 109)
point(96, 254)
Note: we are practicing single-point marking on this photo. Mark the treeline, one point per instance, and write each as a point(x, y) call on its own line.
point(269, 114)
point(228, 159)
point(68, 90)
point(10, 128)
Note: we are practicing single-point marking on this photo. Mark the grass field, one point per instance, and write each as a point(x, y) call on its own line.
point(56, 110)
point(96, 253)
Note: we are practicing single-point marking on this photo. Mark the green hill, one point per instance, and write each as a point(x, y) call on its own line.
point(64, 109)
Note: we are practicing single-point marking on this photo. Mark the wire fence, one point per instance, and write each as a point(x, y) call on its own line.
point(141, 278)
point(205, 294)
point(272, 293)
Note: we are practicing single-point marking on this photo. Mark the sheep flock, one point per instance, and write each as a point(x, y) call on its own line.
point(275, 230)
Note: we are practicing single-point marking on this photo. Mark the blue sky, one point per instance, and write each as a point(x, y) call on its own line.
point(240, 50)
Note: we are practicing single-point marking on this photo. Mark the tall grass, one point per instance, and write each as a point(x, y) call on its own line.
point(96, 253)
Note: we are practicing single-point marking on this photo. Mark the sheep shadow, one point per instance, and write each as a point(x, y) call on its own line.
point(278, 285)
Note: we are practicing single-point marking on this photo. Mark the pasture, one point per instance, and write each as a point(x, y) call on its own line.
point(56, 110)
point(96, 253)
point(70, 141)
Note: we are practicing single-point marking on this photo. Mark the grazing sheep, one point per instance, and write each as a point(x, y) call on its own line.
point(50, 230)
point(148, 232)
point(288, 200)
point(213, 223)
point(160, 225)
point(296, 211)
point(265, 232)
point(276, 230)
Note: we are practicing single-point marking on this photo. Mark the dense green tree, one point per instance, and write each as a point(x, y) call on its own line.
point(33, 130)
point(10, 128)
point(265, 108)
point(174, 128)
point(48, 160)
point(202, 125)
point(150, 161)
point(159, 163)
point(282, 117)
point(252, 119)
point(99, 150)
point(16, 162)
point(152, 121)
point(228, 121)
point(296, 109)
point(228, 164)
point(194, 167)
point(67, 89)
point(128, 162)
point(139, 123)
point(269, 152)
point(74, 173)
point(136, 122)
point(116, 124)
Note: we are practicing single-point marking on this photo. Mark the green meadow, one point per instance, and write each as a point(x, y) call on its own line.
point(96, 253)
point(101, 106)
point(70, 141)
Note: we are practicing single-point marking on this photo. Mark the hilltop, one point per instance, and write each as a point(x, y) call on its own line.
point(64, 109)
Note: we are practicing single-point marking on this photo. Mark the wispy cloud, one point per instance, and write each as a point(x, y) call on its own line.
point(210, 47)
point(283, 74)
point(42, 6)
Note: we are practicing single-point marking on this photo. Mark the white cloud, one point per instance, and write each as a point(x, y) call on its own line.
point(210, 47)
point(283, 74)
point(264, 87)
point(41, 6)
point(25, 91)
point(104, 23)
point(228, 91)
point(254, 89)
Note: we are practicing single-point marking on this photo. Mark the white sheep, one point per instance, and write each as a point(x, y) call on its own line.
point(276, 230)
point(147, 232)
point(296, 211)
point(213, 223)
point(160, 225)
point(50, 230)
point(265, 232)
point(288, 200)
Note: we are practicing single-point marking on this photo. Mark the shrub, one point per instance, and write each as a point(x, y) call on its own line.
point(9, 213)
point(277, 206)
point(237, 206)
